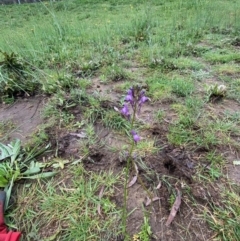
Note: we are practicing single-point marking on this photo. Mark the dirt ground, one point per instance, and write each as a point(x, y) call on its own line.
point(176, 166)
point(25, 116)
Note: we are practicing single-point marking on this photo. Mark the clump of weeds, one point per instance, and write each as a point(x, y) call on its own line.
point(17, 77)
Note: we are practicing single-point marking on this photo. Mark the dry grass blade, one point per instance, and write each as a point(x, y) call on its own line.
point(175, 208)
point(136, 168)
point(149, 201)
point(159, 185)
point(79, 135)
point(132, 182)
point(100, 196)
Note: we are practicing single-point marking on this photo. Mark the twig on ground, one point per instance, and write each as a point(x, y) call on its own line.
point(175, 207)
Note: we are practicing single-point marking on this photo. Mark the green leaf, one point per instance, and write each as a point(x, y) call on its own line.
point(15, 145)
point(41, 175)
point(12, 150)
point(5, 152)
point(5, 171)
point(8, 190)
point(34, 168)
point(31, 171)
point(59, 163)
point(3, 181)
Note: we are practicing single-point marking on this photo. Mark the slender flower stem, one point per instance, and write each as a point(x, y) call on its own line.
point(124, 216)
point(129, 161)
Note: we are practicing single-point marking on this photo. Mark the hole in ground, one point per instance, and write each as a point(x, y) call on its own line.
point(96, 157)
point(169, 166)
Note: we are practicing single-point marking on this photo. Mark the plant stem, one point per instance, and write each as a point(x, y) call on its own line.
point(127, 170)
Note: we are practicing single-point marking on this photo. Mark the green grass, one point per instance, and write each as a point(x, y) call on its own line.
point(222, 56)
point(225, 219)
point(173, 48)
point(70, 206)
point(5, 127)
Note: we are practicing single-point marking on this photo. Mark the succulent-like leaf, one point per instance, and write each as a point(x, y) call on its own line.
point(41, 175)
point(3, 181)
point(8, 190)
point(59, 163)
point(31, 171)
point(5, 174)
point(15, 149)
point(19, 163)
point(5, 152)
point(34, 168)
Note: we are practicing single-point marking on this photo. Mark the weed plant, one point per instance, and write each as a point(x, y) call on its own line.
point(135, 98)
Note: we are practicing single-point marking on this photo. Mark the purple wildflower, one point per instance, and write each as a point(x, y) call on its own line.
point(142, 100)
point(130, 96)
point(136, 137)
point(130, 92)
point(125, 111)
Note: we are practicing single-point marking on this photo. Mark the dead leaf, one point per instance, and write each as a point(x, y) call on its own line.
point(116, 109)
point(149, 201)
point(236, 162)
point(136, 168)
point(80, 135)
point(159, 185)
point(59, 163)
point(132, 182)
point(175, 208)
point(100, 196)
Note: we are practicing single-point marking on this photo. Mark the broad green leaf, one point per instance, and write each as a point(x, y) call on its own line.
point(34, 168)
point(8, 190)
point(5, 152)
point(39, 164)
point(41, 175)
point(15, 149)
point(31, 171)
point(3, 181)
point(5, 171)
point(59, 163)
point(17, 165)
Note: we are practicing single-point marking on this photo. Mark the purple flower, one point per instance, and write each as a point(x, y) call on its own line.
point(130, 96)
point(136, 137)
point(125, 111)
point(142, 100)
point(130, 92)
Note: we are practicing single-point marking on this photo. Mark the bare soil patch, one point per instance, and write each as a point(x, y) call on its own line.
point(25, 114)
